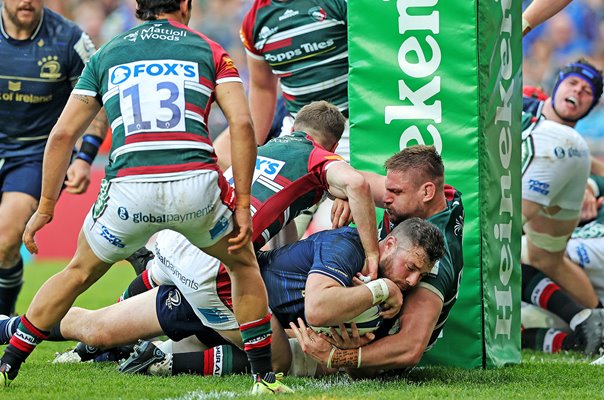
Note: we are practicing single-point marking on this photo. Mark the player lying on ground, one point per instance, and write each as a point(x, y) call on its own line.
point(322, 267)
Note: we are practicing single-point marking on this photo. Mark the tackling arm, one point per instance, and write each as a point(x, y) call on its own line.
point(321, 310)
point(347, 183)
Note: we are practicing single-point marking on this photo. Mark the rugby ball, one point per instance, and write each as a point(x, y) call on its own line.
point(367, 321)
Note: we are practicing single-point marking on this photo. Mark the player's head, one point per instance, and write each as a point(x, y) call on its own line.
point(577, 90)
point(23, 14)
point(414, 179)
point(321, 120)
point(148, 10)
point(410, 251)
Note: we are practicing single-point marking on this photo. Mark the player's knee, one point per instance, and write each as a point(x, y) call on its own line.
point(10, 244)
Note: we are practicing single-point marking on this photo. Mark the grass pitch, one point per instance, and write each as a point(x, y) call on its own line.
point(539, 376)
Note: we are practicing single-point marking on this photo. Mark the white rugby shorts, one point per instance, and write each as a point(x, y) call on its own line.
point(558, 171)
point(126, 214)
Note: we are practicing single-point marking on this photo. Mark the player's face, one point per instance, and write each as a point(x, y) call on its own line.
point(404, 266)
point(403, 198)
point(573, 97)
point(24, 14)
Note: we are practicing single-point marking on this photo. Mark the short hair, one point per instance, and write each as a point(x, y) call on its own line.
point(420, 158)
point(323, 117)
point(148, 10)
point(420, 233)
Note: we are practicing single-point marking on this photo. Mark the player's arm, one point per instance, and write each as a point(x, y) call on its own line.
point(78, 173)
point(539, 11)
point(263, 96)
point(75, 118)
point(324, 306)
point(377, 183)
point(347, 183)
point(230, 96)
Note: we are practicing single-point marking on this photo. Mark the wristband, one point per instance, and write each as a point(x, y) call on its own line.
point(89, 148)
point(359, 360)
point(379, 291)
point(594, 187)
point(526, 27)
point(47, 206)
point(331, 353)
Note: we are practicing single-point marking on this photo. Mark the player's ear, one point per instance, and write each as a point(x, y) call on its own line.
point(429, 191)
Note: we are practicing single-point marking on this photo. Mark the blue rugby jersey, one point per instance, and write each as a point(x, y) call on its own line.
point(36, 78)
point(337, 254)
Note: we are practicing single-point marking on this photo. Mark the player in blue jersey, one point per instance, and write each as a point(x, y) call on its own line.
point(42, 57)
point(302, 280)
point(413, 187)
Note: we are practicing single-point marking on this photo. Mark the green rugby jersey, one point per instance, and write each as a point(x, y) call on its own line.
point(290, 176)
point(445, 277)
point(156, 82)
point(305, 44)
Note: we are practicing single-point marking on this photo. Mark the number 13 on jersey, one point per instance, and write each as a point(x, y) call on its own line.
point(152, 94)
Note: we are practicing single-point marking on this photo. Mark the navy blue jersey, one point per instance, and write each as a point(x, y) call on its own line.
point(337, 254)
point(36, 78)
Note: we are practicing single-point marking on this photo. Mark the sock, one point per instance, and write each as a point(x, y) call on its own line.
point(8, 327)
point(549, 340)
point(21, 345)
point(257, 339)
point(140, 284)
point(219, 360)
point(11, 280)
point(541, 291)
point(55, 334)
point(140, 258)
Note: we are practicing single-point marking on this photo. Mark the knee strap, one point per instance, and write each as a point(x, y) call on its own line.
point(546, 242)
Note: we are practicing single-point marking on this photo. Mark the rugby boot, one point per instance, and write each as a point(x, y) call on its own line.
point(270, 383)
point(7, 374)
point(145, 353)
point(591, 331)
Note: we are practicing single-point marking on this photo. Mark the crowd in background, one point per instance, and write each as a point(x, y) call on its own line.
point(576, 31)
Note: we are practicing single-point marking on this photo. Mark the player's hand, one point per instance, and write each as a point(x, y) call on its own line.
point(591, 205)
point(345, 341)
point(392, 305)
point(370, 268)
point(340, 213)
point(78, 177)
point(35, 223)
point(311, 342)
point(243, 227)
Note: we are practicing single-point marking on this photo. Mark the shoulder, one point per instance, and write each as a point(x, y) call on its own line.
point(58, 25)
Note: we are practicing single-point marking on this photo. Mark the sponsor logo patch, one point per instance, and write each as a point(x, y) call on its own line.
point(111, 238)
point(539, 187)
point(122, 212)
point(318, 14)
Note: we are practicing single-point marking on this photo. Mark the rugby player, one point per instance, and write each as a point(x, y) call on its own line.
point(157, 81)
point(43, 56)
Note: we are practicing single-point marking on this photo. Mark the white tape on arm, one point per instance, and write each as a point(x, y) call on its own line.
point(379, 290)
